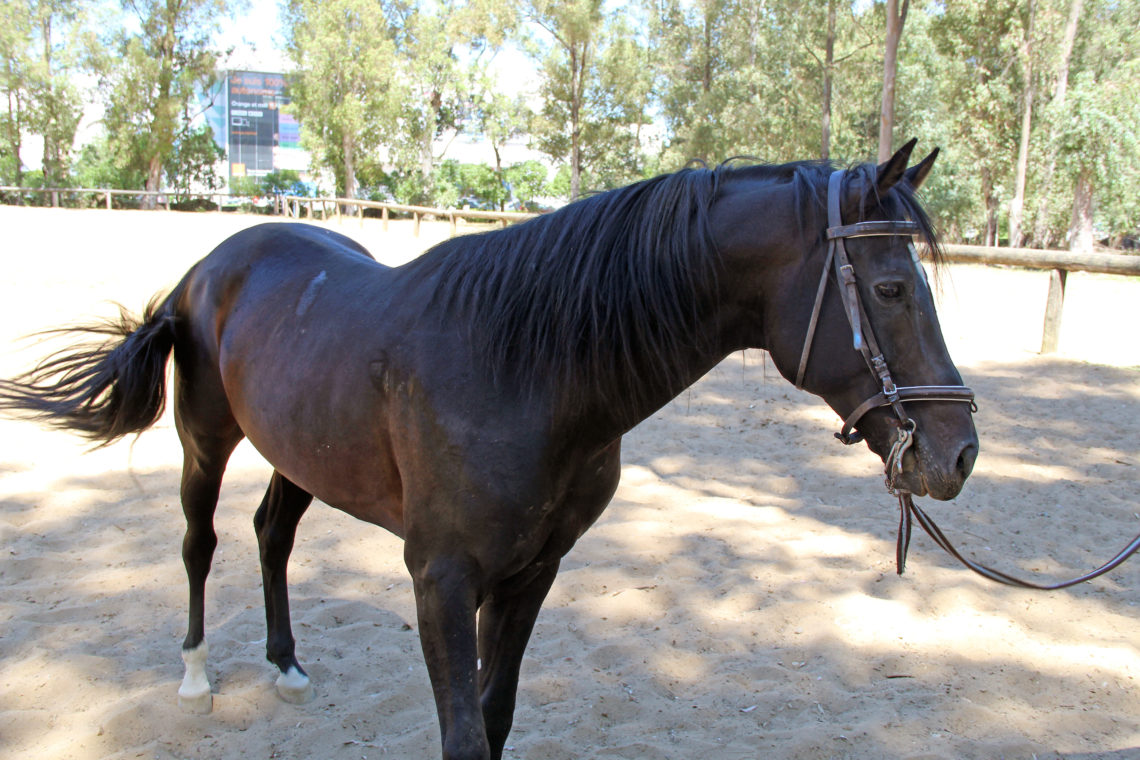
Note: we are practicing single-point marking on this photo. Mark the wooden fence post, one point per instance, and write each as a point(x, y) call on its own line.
point(451, 218)
point(1051, 335)
point(108, 200)
point(416, 225)
point(384, 218)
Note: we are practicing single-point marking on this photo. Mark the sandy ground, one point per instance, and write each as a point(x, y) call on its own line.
point(737, 600)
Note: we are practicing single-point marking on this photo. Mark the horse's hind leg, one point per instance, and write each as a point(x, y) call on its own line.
point(276, 524)
point(208, 433)
point(201, 482)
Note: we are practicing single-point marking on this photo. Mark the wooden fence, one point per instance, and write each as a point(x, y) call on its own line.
point(292, 206)
point(162, 197)
point(1058, 263)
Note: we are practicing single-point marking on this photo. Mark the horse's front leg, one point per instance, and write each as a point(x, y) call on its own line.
point(447, 597)
point(506, 620)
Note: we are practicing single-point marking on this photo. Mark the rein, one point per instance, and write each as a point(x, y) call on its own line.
point(893, 396)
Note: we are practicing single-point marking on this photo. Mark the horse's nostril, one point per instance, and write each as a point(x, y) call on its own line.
point(966, 459)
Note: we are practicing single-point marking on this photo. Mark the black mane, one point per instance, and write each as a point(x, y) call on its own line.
point(580, 296)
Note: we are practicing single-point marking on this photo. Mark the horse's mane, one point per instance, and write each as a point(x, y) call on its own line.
point(581, 295)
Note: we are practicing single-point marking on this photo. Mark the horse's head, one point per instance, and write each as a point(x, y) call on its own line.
point(865, 335)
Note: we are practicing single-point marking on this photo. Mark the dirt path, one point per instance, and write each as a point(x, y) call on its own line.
point(737, 600)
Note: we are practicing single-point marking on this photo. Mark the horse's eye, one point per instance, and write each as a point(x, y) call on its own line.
point(888, 290)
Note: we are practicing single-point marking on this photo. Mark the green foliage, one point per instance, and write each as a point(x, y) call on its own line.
point(192, 162)
point(100, 165)
point(283, 182)
point(596, 91)
point(345, 93)
point(246, 187)
point(159, 74)
point(44, 44)
point(740, 77)
point(527, 182)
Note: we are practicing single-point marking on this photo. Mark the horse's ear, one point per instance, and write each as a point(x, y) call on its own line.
point(893, 169)
point(917, 174)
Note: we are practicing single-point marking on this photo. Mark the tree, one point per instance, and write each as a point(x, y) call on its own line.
point(978, 45)
point(1017, 205)
point(191, 163)
point(896, 19)
point(1097, 137)
point(348, 93)
point(15, 41)
point(55, 101)
point(161, 71)
point(776, 81)
point(567, 64)
point(595, 90)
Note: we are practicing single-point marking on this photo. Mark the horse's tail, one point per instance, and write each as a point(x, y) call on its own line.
point(105, 387)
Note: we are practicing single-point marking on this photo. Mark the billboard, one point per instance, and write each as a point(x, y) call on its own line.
point(259, 137)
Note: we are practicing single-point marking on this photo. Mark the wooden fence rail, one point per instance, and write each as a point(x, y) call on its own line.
point(1058, 263)
point(162, 197)
point(292, 205)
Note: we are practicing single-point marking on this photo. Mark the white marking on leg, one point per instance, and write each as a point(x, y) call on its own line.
point(294, 687)
point(194, 694)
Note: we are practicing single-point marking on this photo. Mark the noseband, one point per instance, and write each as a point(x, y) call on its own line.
point(864, 337)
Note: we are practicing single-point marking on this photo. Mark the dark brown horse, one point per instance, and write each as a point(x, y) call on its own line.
point(473, 401)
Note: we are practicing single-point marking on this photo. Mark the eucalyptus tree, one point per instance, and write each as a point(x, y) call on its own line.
point(44, 44)
point(777, 81)
point(1097, 124)
point(348, 91)
point(596, 88)
point(154, 86)
point(15, 43)
point(57, 106)
point(978, 44)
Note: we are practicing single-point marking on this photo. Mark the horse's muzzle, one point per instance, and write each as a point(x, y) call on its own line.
point(938, 474)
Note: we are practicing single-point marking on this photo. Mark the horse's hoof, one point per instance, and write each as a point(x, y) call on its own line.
point(196, 704)
point(294, 687)
point(194, 692)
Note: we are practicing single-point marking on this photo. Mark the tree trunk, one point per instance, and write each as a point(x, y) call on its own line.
point(427, 156)
point(895, 22)
point(828, 64)
point(1081, 227)
point(51, 158)
point(349, 146)
point(989, 236)
point(1041, 229)
point(577, 78)
point(1017, 205)
point(14, 130)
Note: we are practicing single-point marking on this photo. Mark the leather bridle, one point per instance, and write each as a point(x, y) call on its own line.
point(864, 337)
point(894, 396)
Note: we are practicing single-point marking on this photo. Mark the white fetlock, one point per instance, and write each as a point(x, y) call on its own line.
point(194, 694)
point(294, 687)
